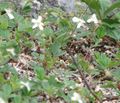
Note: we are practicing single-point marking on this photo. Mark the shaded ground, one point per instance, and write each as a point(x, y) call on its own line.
point(83, 46)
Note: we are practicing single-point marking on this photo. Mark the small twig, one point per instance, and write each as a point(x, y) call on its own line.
point(111, 98)
point(78, 68)
point(83, 77)
point(84, 12)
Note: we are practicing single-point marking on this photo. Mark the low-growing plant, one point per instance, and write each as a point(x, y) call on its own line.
point(48, 38)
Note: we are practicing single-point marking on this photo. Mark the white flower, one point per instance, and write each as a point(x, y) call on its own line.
point(78, 85)
point(38, 23)
point(23, 2)
point(93, 19)
point(36, 2)
point(11, 50)
point(26, 84)
point(9, 13)
point(76, 97)
point(80, 22)
point(1, 100)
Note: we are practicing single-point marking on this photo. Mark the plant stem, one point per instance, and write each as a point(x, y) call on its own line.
point(83, 77)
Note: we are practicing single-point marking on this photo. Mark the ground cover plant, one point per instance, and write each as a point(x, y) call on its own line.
point(60, 51)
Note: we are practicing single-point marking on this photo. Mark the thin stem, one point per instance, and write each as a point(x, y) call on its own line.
point(83, 77)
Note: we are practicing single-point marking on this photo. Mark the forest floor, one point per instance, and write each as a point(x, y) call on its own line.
point(107, 45)
point(62, 69)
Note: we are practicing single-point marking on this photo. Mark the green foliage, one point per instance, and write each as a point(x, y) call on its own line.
point(105, 12)
point(4, 5)
point(40, 73)
point(112, 7)
point(46, 47)
point(102, 60)
point(95, 5)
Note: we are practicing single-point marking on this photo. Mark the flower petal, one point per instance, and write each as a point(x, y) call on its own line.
point(2, 100)
point(35, 26)
point(38, 23)
point(82, 21)
point(41, 27)
point(10, 16)
point(93, 18)
point(26, 84)
point(75, 19)
point(33, 20)
point(9, 13)
point(79, 25)
point(39, 18)
point(11, 50)
point(76, 97)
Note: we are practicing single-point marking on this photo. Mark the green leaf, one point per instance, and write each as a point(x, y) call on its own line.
point(17, 99)
point(62, 39)
point(54, 82)
point(102, 60)
point(2, 80)
point(50, 89)
point(3, 22)
point(116, 74)
point(4, 5)
point(33, 100)
point(59, 42)
point(108, 84)
point(114, 64)
point(65, 23)
point(95, 5)
point(84, 91)
point(15, 82)
point(84, 64)
point(101, 31)
point(114, 33)
point(82, 33)
point(112, 7)
point(104, 5)
point(118, 55)
point(4, 58)
point(67, 98)
point(48, 32)
point(26, 9)
point(40, 72)
point(24, 26)
point(55, 49)
point(4, 33)
point(50, 60)
point(18, 18)
point(112, 23)
point(7, 90)
point(69, 83)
